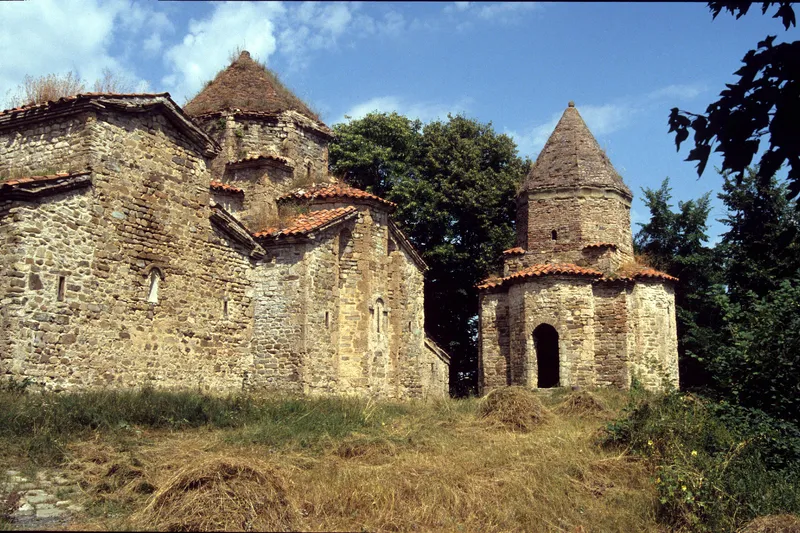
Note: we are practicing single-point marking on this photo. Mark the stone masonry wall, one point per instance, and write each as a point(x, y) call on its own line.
point(493, 341)
point(610, 334)
point(262, 185)
point(434, 375)
point(652, 335)
point(341, 313)
point(565, 303)
point(578, 218)
point(46, 147)
point(278, 344)
point(241, 137)
point(416, 371)
point(147, 212)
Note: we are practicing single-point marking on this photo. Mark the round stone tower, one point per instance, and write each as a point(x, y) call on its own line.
point(573, 207)
point(271, 141)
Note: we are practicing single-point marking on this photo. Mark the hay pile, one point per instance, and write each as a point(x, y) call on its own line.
point(220, 493)
point(109, 476)
point(581, 403)
point(781, 523)
point(515, 408)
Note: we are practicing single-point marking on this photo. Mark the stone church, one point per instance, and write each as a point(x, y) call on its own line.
point(205, 247)
point(573, 307)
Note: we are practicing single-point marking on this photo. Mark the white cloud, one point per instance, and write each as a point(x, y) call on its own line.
point(607, 118)
point(56, 36)
point(205, 49)
point(677, 92)
point(424, 111)
point(505, 11)
point(601, 120)
point(153, 43)
point(502, 12)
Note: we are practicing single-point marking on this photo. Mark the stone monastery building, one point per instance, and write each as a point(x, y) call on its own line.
point(573, 308)
point(202, 247)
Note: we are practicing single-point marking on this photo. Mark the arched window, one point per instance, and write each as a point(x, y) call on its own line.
point(554, 235)
point(545, 342)
point(344, 241)
point(378, 314)
point(155, 280)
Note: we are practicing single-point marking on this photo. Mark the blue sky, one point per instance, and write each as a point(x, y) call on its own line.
point(515, 65)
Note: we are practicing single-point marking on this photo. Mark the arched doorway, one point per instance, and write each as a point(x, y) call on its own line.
point(545, 341)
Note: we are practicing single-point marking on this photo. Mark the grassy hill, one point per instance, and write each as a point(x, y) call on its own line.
point(185, 460)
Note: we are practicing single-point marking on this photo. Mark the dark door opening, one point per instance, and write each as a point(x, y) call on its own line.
point(545, 340)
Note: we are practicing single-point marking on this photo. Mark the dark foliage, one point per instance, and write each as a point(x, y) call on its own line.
point(763, 103)
point(762, 245)
point(717, 465)
point(676, 242)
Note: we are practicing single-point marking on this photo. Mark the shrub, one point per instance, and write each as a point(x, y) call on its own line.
point(717, 465)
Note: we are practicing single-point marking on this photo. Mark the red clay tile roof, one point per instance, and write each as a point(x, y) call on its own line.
point(12, 183)
point(248, 86)
point(259, 158)
point(651, 273)
point(634, 272)
point(305, 224)
point(514, 251)
point(600, 245)
point(535, 271)
point(571, 157)
point(334, 191)
point(224, 187)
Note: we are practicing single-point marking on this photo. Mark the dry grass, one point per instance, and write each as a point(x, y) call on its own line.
point(51, 87)
point(435, 467)
point(582, 403)
point(515, 408)
point(785, 523)
point(220, 493)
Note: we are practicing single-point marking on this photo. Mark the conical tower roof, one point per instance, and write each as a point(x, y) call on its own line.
point(248, 86)
point(572, 158)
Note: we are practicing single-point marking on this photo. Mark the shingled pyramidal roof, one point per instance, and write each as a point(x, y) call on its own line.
point(248, 86)
point(572, 158)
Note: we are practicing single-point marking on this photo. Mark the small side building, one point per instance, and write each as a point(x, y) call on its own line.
point(573, 308)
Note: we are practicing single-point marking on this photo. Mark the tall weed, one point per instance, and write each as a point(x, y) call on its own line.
point(717, 465)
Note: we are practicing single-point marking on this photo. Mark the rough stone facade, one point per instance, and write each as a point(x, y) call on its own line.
point(143, 246)
point(573, 308)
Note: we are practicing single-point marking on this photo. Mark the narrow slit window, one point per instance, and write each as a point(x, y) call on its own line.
point(62, 281)
point(554, 235)
point(225, 307)
point(155, 281)
point(379, 314)
point(327, 319)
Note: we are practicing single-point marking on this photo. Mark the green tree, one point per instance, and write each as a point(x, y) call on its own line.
point(761, 247)
point(675, 242)
point(763, 102)
point(455, 184)
point(372, 153)
point(760, 366)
